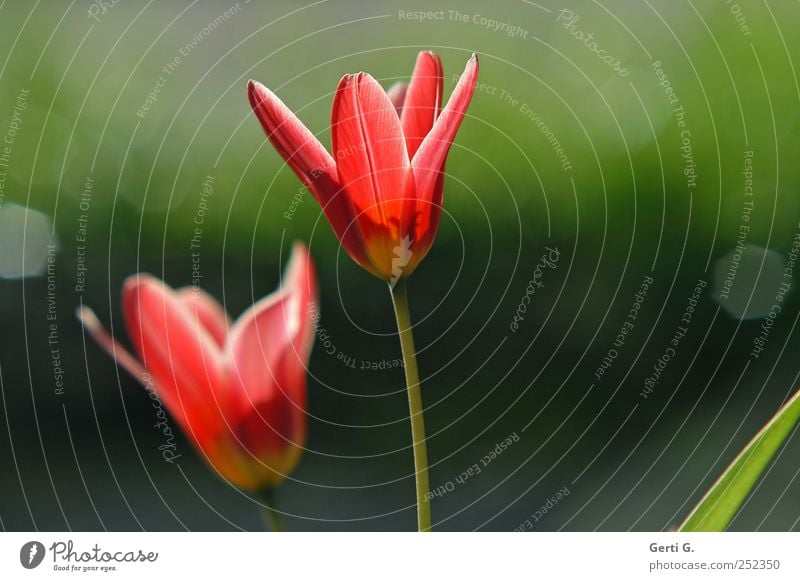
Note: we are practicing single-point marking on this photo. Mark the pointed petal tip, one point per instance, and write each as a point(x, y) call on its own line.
point(474, 64)
point(139, 276)
point(362, 76)
point(130, 283)
point(139, 279)
point(87, 318)
point(297, 256)
point(257, 93)
point(252, 89)
point(260, 96)
point(139, 289)
point(253, 85)
point(471, 69)
point(429, 54)
point(349, 77)
point(298, 246)
point(299, 267)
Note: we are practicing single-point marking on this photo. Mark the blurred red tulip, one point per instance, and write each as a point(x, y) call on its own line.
point(238, 390)
point(382, 189)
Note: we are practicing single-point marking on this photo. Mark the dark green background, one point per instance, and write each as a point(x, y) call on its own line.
point(89, 459)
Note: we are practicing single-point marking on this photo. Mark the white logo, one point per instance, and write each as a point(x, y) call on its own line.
point(402, 256)
point(31, 554)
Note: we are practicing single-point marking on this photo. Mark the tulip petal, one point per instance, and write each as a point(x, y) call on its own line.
point(428, 216)
point(423, 101)
point(397, 95)
point(267, 356)
point(180, 354)
point(256, 342)
point(372, 163)
point(208, 311)
point(311, 162)
point(429, 159)
point(307, 157)
point(110, 345)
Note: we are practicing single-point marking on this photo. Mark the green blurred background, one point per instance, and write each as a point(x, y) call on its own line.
point(617, 205)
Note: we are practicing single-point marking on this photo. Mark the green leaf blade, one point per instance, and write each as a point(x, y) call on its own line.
point(720, 504)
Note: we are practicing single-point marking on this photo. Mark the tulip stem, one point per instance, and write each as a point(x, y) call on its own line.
point(400, 301)
point(269, 509)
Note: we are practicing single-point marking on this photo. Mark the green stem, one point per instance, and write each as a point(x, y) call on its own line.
point(269, 509)
point(722, 502)
point(400, 300)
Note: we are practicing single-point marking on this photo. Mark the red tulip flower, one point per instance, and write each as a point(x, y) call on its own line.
point(238, 390)
point(381, 189)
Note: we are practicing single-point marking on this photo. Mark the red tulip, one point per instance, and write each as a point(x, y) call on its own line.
point(382, 188)
point(238, 390)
